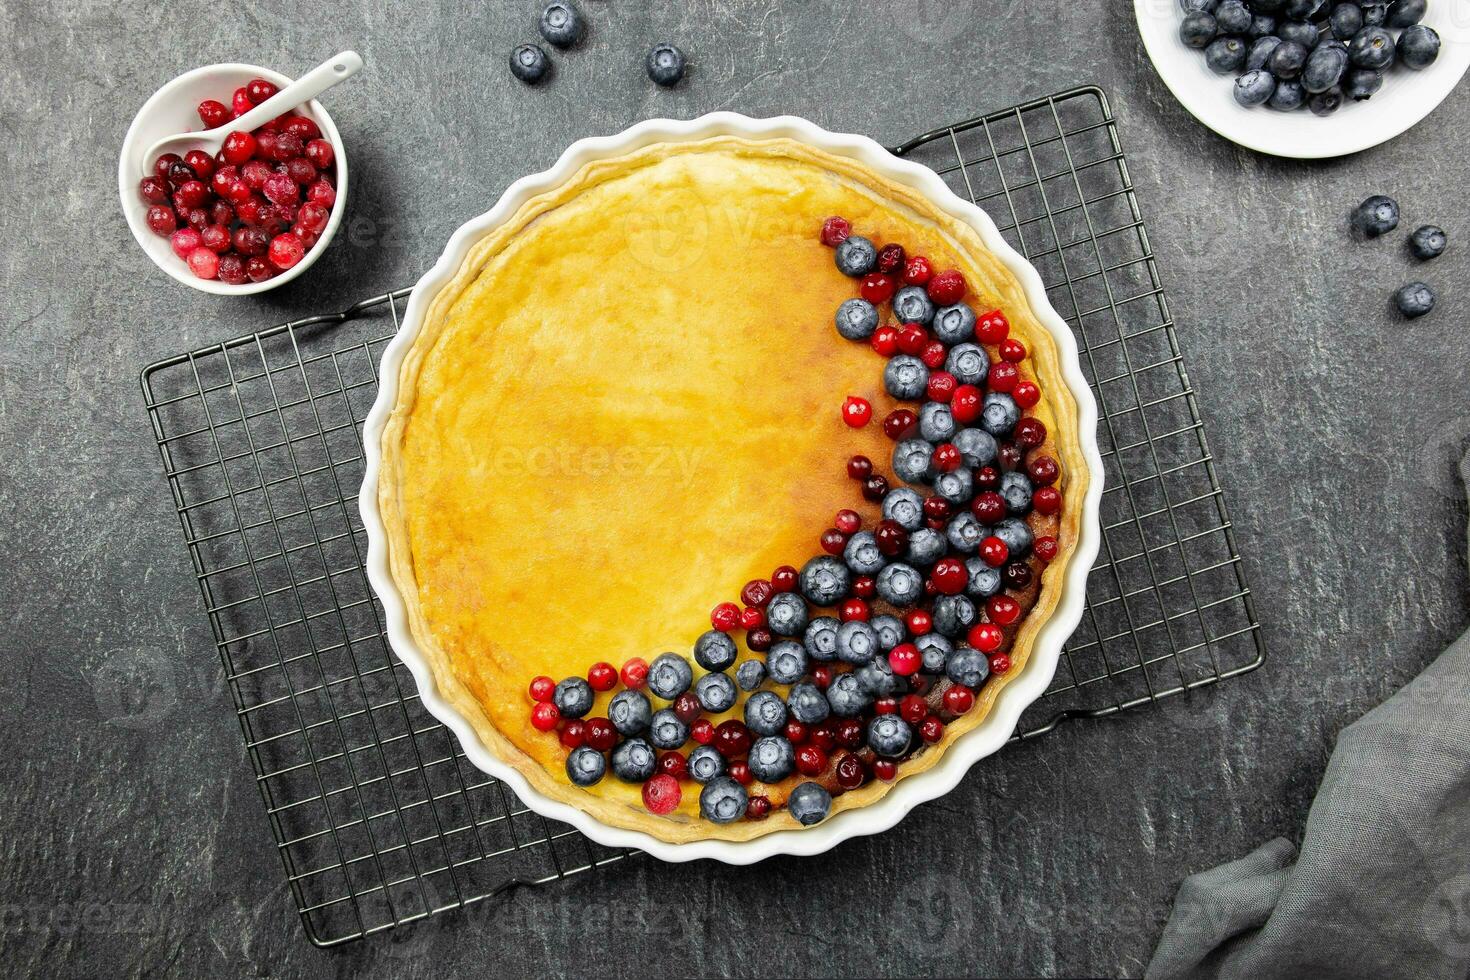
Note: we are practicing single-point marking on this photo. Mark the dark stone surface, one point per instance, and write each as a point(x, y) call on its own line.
point(133, 840)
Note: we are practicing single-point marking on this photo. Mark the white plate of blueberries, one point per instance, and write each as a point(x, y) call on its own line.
point(1308, 78)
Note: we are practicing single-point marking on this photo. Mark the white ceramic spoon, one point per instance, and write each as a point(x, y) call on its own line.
point(299, 92)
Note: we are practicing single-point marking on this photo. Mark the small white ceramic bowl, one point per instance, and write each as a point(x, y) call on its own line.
point(1407, 96)
point(173, 109)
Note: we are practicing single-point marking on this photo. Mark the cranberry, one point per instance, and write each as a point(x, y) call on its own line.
point(541, 688)
point(702, 731)
point(303, 127)
point(853, 609)
point(864, 586)
point(1003, 377)
point(795, 732)
point(1047, 500)
point(732, 738)
point(947, 457)
point(783, 579)
point(250, 241)
point(574, 734)
point(941, 386)
point(544, 716)
point(890, 259)
point(905, 659)
point(600, 734)
point(856, 411)
point(875, 488)
point(760, 639)
point(833, 541)
point(899, 423)
point(1026, 394)
point(849, 732)
point(320, 153)
point(285, 146)
point(232, 269)
point(257, 90)
point(725, 617)
point(885, 706)
point(1012, 350)
point(752, 617)
point(822, 676)
point(850, 772)
point(191, 194)
point(885, 340)
point(220, 213)
point(824, 736)
point(255, 173)
point(1030, 432)
point(885, 769)
point(848, 521)
point(686, 707)
point(931, 729)
point(912, 339)
point(196, 218)
point(201, 163)
point(1003, 609)
point(281, 189)
point(300, 170)
point(811, 760)
point(1043, 470)
point(858, 468)
point(161, 220)
point(1017, 575)
point(988, 507)
point(919, 622)
point(877, 288)
point(934, 355)
point(913, 708)
point(661, 794)
point(240, 102)
point(602, 676)
point(757, 808)
point(673, 764)
point(740, 772)
point(258, 269)
point(180, 174)
point(1008, 456)
point(951, 576)
point(757, 592)
point(265, 144)
point(959, 699)
point(213, 113)
point(154, 190)
point(239, 147)
point(917, 271)
point(184, 242)
point(216, 238)
point(992, 327)
point(999, 663)
point(164, 164)
point(937, 508)
point(1045, 548)
point(835, 231)
point(966, 404)
point(891, 538)
point(987, 478)
point(994, 551)
point(285, 251)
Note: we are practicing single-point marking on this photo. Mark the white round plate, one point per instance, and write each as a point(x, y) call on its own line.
point(985, 738)
point(1407, 96)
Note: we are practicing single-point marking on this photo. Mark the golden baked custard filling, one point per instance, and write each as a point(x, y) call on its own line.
point(652, 387)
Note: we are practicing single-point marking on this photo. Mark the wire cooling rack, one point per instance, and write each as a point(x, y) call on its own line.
point(378, 817)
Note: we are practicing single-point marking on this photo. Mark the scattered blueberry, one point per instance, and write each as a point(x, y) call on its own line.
point(629, 712)
point(912, 304)
point(665, 65)
point(905, 508)
point(809, 803)
point(723, 800)
point(856, 256)
point(585, 766)
point(1017, 535)
point(807, 703)
point(824, 581)
point(573, 697)
point(913, 460)
point(1225, 55)
point(1302, 9)
point(905, 377)
point(1414, 300)
point(786, 614)
point(1262, 25)
point(705, 763)
point(856, 319)
point(750, 675)
point(1378, 215)
point(1198, 28)
point(771, 759)
point(633, 761)
point(561, 24)
point(846, 697)
point(954, 324)
point(1405, 13)
point(1374, 13)
point(967, 666)
point(1427, 242)
point(1372, 47)
point(786, 662)
point(1015, 490)
point(889, 735)
point(715, 650)
point(716, 692)
point(669, 676)
point(529, 63)
point(667, 730)
point(1418, 46)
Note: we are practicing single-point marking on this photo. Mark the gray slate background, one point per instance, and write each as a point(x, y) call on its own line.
point(127, 848)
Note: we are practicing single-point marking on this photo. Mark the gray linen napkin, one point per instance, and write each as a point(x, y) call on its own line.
point(1381, 887)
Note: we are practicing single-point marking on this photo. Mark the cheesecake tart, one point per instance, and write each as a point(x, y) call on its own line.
point(726, 485)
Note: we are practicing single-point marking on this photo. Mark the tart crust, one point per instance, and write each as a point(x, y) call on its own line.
point(420, 472)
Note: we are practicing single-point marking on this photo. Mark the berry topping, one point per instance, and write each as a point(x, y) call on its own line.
point(917, 271)
point(1003, 610)
point(941, 386)
point(731, 738)
point(959, 699)
point(833, 541)
point(635, 672)
point(947, 288)
point(573, 734)
point(544, 716)
point(602, 676)
point(950, 576)
point(661, 794)
point(858, 468)
point(541, 688)
point(999, 663)
point(877, 287)
point(994, 551)
point(856, 411)
point(725, 617)
point(992, 327)
point(891, 259)
point(912, 339)
point(835, 231)
point(758, 808)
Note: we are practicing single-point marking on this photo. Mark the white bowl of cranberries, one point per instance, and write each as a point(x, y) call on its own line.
point(253, 216)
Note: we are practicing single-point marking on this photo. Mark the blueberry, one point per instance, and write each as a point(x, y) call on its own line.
point(1374, 14)
point(999, 413)
point(968, 667)
point(633, 761)
point(529, 63)
point(1325, 103)
point(1226, 55)
point(765, 713)
point(786, 662)
point(1372, 47)
point(1198, 28)
point(968, 363)
point(665, 65)
point(821, 638)
point(889, 735)
point(857, 256)
point(1418, 46)
point(891, 631)
point(1286, 62)
point(715, 650)
point(1378, 215)
point(1015, 490)
point(899, 584)
point(957, 487)
point(705, 764)
point(723, 800)
point(629, 712)
point(862, 554)
point(1427, 242)
point(857, 642)
point(561, 24)
point(926, 546)
point(846, 697)
point(1324, 68)
point(825, 581)
point(912, 304)
point(585, 766)
point(877, 679)
point(807, 703)
point(954, 615)
point(1017, 535)
point(934, 650)
point(573, 697)
point(936, 422)
point(786, 614)
point(1189, 6)
point(856, 318)
point(906, 377)
point(1288, 96)
point(1298, 32)
point(965, 533)
point(954, 324)
point(976, 446)
point(1346, 20)
point(984, 580)
point(1260, 52)
point(905, 508)
point(1414, 300)
point(1302, 9)
point(1405, 13)
point(913, 461)
point(749, 675)
point(667, 730)
point(716, 692)
point(1362, 83)
point(809, 803)
point(669, 676)
point(1231, 17)
point(771, 759)
point(1262, 25)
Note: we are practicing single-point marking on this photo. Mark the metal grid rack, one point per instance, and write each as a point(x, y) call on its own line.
point(378, 817)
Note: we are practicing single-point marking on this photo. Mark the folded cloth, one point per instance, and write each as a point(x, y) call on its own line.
point(1381, 887)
